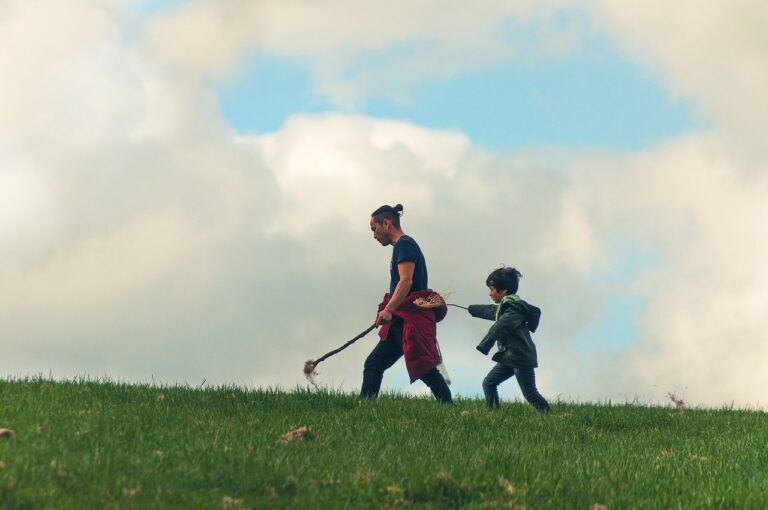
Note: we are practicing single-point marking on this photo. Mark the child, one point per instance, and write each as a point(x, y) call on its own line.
point(517, 354)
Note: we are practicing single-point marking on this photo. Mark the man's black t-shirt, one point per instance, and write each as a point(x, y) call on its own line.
point(406, 250)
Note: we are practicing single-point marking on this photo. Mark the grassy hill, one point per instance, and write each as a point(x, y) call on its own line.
point(104, 445)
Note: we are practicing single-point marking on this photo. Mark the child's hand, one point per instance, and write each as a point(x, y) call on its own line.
point(483, 350)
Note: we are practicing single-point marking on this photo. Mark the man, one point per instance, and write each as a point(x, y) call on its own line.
point(406, 329)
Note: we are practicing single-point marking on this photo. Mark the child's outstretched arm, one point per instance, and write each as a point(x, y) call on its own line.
point(483, 311)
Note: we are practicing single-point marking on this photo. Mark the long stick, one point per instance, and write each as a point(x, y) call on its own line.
point(358, 337)
point(310, 365)
point(335, 351)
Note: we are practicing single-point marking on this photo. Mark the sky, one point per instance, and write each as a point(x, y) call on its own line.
point(186, 185)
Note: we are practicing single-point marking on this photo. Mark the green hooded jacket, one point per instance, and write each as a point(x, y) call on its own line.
point(515, 321)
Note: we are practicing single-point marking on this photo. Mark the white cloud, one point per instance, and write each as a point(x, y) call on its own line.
point(23, 197)
point(712, 53)
point(701, 217)
point(355, 50)
point(319, 159)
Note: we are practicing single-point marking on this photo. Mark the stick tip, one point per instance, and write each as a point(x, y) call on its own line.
point(309, 367)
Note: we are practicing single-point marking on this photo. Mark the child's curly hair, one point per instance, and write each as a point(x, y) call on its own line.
point(504, 278)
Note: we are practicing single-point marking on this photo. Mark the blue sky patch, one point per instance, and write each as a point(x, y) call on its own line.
point(151, 7)
point(269, 93)
point(592, 98)
point(617, 325)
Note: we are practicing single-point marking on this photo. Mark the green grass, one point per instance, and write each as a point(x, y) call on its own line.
point(105, 445)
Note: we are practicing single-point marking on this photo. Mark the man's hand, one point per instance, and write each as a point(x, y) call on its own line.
point(384, 316)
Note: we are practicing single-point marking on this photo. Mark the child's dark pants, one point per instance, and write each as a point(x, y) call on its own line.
point(526, 378)
point(385, 354)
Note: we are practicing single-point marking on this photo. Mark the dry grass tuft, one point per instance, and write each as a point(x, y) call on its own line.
point(298, 434)
point(679, 403)
point(394, 489)
point(507, 486)
point(228, 502)
point(7, 433)
point(130, 492)
point(363, 476)
point(291, 484)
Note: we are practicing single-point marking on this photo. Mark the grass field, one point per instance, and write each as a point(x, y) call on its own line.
point(83, 445)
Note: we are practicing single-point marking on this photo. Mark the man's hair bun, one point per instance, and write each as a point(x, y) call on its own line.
point(388, 212)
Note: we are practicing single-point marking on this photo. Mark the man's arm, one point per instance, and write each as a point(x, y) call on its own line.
point(405, 270)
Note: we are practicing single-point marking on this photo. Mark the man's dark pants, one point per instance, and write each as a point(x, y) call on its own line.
point(385, 354)
point(526, 378)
